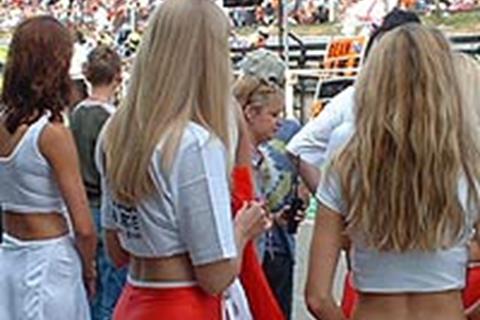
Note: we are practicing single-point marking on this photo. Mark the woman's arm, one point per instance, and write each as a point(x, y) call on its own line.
point(214, 243)
point(477, 233)
point(115, 251)
point(473, 313)
point(309, 173)
point(58, 147)
point(324, 252)
point(217, 276)
point(243, 154)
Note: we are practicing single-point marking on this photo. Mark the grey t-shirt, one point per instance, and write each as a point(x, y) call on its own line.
point(86, 122)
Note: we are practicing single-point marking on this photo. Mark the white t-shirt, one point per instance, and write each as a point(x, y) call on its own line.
point(191, 211)
point(339, 138)
point(390, 272)
point(311, 143)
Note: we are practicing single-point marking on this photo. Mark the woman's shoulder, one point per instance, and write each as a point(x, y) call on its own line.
point(197, 135)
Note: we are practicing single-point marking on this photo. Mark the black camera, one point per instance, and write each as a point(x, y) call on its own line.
point(296, 204)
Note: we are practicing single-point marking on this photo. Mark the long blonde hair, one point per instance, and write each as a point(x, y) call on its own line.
point(181, 73)
point(401, 170)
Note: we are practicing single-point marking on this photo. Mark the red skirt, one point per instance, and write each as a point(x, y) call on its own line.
point(137, 303)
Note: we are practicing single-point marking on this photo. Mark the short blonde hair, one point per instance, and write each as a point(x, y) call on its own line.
point(251, 90)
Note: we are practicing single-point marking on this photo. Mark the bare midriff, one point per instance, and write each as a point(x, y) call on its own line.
point(410, 306)
point(168, 269)
point(35, 226)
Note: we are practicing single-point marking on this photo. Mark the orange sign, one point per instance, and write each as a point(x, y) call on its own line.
point(344, 53)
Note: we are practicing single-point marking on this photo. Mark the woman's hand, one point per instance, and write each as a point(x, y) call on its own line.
point(329, 310)
point(473, 313)
point(281, 217)
point(90, 278)
point(252, 220)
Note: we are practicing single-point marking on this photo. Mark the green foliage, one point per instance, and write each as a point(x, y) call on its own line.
point(456, 22)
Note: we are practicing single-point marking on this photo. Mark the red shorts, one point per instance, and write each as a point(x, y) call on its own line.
point(137, 303)
point(471, 294)
point(349, 298)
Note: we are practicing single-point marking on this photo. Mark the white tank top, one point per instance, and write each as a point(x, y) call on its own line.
point(27, 180)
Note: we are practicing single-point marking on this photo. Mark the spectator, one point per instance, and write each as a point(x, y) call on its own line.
point(259, 93)
point(103, 71)
point(310, 144)
point(164, 159)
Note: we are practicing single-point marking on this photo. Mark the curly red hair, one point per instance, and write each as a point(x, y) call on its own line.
point(36, 75)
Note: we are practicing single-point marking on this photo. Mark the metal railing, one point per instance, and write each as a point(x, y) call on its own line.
point(310, 55)
point(306, 73)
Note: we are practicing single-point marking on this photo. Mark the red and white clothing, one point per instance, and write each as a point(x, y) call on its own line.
point(189, 213)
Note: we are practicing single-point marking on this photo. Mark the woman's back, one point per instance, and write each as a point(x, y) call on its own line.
point(404, 187)
point(383, 271)
point(188, 212)
point(445, 305)
point(28, 182)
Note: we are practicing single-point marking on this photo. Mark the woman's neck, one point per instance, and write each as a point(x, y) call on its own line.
point(102, 94)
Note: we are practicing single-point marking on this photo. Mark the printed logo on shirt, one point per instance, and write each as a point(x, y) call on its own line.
point(127, 218)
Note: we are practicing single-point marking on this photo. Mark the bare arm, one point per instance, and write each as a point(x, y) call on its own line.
point(324, 252)
point(243, 156)
point(250, 220)
point(473, 313)
point(309, 173)
point(311, 143)
point(58, 147)
point(115, 251)
point(216, 277)
point(477, 233)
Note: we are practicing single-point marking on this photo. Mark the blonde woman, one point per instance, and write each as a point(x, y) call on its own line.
point(262, 101)
point(164, 159)
point(404, 188)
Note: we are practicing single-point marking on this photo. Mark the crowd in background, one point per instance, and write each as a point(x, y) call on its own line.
point(193, 183)
point(112, 22)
